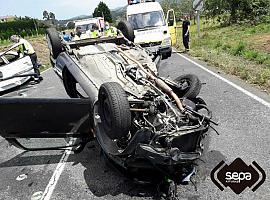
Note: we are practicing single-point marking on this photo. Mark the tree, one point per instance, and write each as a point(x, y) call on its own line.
point(180, 6)
point(238, 10)
point(45, 15)
point(102, 10)
point(52, 16)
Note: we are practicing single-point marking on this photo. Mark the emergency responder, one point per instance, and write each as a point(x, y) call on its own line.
point(110, 31)
point(94, 31)
point(78, 33)
point(26, 49)
point(66, 37)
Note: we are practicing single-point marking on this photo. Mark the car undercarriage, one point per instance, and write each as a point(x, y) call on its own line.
point(142, 122)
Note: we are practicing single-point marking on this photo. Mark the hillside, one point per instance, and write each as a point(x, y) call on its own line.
point(64, 22)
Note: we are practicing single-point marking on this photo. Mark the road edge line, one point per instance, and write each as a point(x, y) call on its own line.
point(57, 173)
point(253, 96)
point(46, 70)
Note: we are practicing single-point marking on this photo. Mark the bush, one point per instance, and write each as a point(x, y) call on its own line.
point(251, 55)
point(226, 47)
point(218, 44)
point(21, 26)
point(237, 11)
point(239, 49)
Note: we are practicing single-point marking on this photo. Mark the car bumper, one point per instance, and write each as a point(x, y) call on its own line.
point(159, 50)
point(165, 50)
point(184, 149)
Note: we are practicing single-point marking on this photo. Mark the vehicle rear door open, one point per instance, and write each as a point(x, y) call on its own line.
point(171, 21)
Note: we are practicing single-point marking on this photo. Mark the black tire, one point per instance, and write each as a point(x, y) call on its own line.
point(114, 110)
point(70, 84)
point(189, 86)
point(166, 55)
point(54, 43)
point(127, 30)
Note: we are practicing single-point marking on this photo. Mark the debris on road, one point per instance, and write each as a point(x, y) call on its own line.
point(21, 177)
point(37, 195)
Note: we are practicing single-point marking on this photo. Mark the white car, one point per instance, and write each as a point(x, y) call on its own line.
point(15, 70)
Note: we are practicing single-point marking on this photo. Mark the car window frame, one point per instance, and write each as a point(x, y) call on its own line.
point(7, 62)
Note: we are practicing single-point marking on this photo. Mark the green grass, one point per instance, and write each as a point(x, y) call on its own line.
point(4, 42)
point(239, 50)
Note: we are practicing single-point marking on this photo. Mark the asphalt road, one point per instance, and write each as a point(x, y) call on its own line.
point(244, 132)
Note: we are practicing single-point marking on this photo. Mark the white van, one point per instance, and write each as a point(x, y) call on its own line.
point(152, 31)
point(85, 26)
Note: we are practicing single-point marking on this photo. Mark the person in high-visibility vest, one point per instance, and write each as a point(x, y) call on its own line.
point(26, 49)
point(94, 31)
point(110, 31)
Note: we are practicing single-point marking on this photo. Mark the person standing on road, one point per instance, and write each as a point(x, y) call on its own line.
point(26, 49)
point(185, 32)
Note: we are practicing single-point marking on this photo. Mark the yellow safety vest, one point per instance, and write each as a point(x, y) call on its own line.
point(110, 32)
point(94, 34)
point(25, 47)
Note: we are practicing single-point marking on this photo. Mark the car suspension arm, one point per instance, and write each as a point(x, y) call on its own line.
point(160, 83)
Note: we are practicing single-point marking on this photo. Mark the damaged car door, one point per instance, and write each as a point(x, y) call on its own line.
point(44, 118)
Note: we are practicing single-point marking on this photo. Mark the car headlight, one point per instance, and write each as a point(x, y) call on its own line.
point(166, 41)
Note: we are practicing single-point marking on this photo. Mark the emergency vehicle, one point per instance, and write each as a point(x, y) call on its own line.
point(151, 29)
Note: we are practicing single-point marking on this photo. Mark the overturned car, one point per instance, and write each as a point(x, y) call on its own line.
point(141, 121)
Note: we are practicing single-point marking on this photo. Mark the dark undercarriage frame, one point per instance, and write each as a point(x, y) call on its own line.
point(73, 118)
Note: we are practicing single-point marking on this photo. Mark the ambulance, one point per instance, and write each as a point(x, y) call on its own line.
point(85, 26)
point(152, 29)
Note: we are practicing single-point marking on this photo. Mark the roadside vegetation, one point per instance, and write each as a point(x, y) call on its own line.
point(239, 50)
point(236, 41)
point(24, 27)
point(30, 29)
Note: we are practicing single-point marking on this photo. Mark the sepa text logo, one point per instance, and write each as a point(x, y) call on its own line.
point(238, 176)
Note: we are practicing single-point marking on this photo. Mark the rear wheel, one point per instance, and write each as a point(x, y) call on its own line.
point(54, 42)
point(189, 86)
point(114, 110)
point(127, 30)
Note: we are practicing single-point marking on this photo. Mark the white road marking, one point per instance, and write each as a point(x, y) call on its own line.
point(61, 165)
point(57, 173)
point(253, 96)
point(46, 70)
